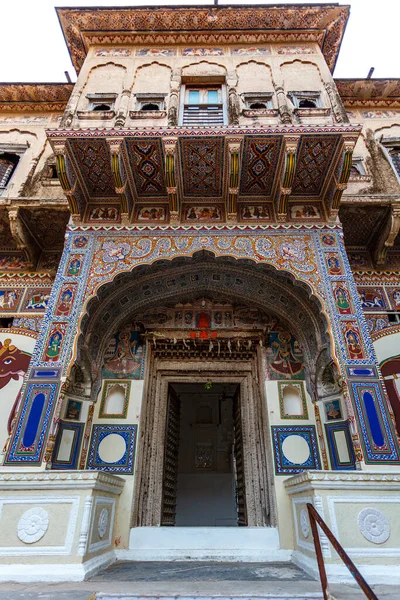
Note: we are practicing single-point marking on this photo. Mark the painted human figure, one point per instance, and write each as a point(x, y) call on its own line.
point(396, 298)
point(284, 360)
point(342, 301)
point(371, 299)
point(126, 358)
point(74, 267)
point(54, 347)
point(353, 345)
point(64, 306)
point(334, 266)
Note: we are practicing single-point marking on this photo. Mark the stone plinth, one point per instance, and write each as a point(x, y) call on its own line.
point(362, 510)
point(56, 526)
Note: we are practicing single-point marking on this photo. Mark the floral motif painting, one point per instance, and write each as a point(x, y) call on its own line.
point(203, 213)
point(258, 212)
point(151, 213)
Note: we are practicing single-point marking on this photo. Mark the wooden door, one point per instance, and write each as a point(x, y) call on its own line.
point(170, 479)
point(239, 466)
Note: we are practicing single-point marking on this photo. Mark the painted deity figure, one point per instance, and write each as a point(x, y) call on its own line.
point(342, 300)
point(54, 347)
point(64, 306)
point(74, 267)
point(127, 356)
point(353, 344)
point(284, 360)
point(334, 265)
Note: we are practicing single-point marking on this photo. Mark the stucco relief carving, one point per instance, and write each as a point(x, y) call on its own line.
point(304, 523)
point(33, 525)
point(103, 522)
point(374, 525)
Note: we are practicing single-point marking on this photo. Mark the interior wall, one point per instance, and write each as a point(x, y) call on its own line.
point(206, 487)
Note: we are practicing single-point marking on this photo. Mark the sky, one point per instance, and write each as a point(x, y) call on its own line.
point(33, 45)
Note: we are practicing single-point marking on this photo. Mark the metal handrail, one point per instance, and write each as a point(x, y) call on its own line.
point(314, 519)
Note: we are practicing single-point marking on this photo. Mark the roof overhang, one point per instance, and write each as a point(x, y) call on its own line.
point(34, 97)
point(378, 93)
point(321, 23)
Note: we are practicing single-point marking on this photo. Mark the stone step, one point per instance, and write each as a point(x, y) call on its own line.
point(272, 596)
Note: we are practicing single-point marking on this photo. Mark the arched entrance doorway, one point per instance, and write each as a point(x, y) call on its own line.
point(214, 341)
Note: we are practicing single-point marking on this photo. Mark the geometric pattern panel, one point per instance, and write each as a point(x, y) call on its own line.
point(375, 423)
point(202, 166)
point(295, 449)
point(360, 223)
point(92, 157)
point(112, 448)
point(340, 446)
point(147, 163)
point(314, 157)
point(259, 164)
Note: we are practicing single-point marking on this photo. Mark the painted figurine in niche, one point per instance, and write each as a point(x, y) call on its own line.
point(353, 343)
point(333, 411)
point(371, 298)
point(74, 266)
point(54, 347)
point(328, 239)
point(396, 299)
point(342, 299)
point(73, 410)
point(333, 264)
point(284, 354)
point(65, 302)
point(126, 355)
point(81, 241)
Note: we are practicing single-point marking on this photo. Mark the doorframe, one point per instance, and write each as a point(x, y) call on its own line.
point(257, 449)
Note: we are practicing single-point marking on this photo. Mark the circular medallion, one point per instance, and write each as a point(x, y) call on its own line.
point(304, 523)
point(295, 449)
point(373, 525)
point(33, 525)
point(102, 523)
point(112, 448)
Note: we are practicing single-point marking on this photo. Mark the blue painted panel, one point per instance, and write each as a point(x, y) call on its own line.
point(374, 423)
point(33, 421)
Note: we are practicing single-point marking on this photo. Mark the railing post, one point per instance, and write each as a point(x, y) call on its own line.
point(318, 552)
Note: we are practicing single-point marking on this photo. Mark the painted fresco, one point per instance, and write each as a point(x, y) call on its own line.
point(203, 52)
point(333, 264)
point(247, 50)
point(124, 358)
point(36, 299)
point(104, 214)
point(342, 298)
point(13, 262)
point(15, 353)
point(155, 52)
point(352, 338)
point(284, 356)
point(394, 297)
point(74, 265)
point(10, 299)
point(203, 213)
point(372, 298)
point(151, 213)
point(54, 342)
point(65, 299)
point(305, 211)
point(258, 212)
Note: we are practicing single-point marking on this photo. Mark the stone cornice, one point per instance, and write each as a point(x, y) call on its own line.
point(56, 480)
point(85, 26)
point(34, 97)
point(333, 480)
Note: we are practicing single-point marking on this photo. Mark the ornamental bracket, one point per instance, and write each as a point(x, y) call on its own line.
point(387, 236)
point(23, 237)
point(170, 149)
point(286, 184)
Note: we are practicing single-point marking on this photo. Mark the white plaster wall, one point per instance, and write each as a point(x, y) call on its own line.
point(387, 346)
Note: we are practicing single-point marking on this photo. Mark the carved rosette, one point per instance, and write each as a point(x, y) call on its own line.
point(33, 525)
point(102, 523)
point(374, 525)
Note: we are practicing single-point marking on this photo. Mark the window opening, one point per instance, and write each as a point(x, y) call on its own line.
point(395, 156)
point(6, 322)
point(150, 106)
point(8, 163)
point(203, 106)
point(101, 107)
point(307, 104)
point(258, 105)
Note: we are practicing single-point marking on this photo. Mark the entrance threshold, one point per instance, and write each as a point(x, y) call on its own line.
point(229, 544)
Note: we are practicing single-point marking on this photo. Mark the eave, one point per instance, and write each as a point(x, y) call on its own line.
point(324, 24)
point(369, 93)
point(34, 97)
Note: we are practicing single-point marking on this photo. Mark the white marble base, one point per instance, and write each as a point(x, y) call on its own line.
point(250, 544)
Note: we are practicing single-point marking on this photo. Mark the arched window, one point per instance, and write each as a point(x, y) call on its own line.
point(395, 156)
point(150, 106)
point(101, 107)
point(8, 163)
point(307, 103)
point(258, 105)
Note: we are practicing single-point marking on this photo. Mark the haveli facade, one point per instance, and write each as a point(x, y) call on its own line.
point(200, 296)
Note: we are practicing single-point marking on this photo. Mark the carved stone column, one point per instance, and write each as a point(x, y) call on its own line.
point(70, 110)
point(170, 178)
point(233, 190)
point(173, 105)
point(286, 187)
point(69, 190)
point(120, 185)
point(122, 111)
point(338, 109)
